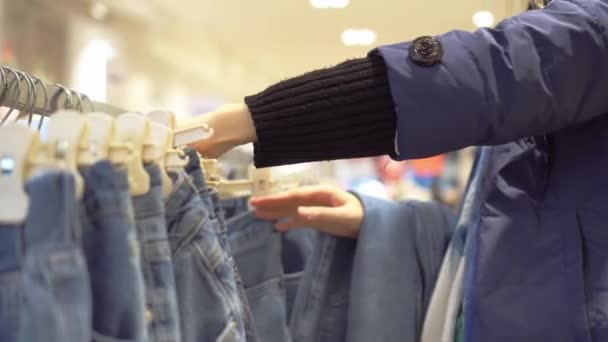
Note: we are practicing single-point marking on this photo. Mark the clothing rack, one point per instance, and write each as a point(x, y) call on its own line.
point(28, 94)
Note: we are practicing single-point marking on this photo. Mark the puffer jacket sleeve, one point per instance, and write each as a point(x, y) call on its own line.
point(534, 73)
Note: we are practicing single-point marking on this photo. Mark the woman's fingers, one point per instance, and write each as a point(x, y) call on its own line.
point(307, 196)
point(325, 208)
point(334, 221)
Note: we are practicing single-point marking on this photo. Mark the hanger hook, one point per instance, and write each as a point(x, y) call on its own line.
point(4, 82)
point(45, 108)
point(68, 96)
point(12, 108)
point(79, 98)
point(31, 93)
point(85, 97)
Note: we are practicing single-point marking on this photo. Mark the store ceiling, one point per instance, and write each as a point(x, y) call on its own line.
point(287, 37)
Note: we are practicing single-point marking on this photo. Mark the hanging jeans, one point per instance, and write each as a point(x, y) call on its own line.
point(51, 300)
point(257, 250)
point(202, 268)
point(346, 296)
point(234, 206)
point(110, 245)
point(162, 316)
point(210, 198)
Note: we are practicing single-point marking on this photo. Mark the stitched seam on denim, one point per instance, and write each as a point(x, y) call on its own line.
point(218, 283)
point(157, 251)
point(261, 289)
point(182, 241)
point(317, 289)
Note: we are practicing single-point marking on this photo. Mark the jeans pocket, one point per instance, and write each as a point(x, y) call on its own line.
point(292, 283)
point(267, 301)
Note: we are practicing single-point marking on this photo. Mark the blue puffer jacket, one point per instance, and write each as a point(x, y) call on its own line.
point(536, 89)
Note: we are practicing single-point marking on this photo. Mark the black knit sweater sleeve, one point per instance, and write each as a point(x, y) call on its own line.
point(345, 111)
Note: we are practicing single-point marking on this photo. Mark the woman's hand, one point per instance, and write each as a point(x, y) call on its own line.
point(232, 126)
point(326, 208)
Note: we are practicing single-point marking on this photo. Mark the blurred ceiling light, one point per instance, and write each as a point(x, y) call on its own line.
point(324, 4)
point(483, 19)
point(99, 10)
point(355, 37)
point(91, 70)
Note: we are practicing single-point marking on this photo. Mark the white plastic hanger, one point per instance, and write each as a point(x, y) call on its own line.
point(175, 159)
point(134, 129)
point(260, 183)
point(99, 138)
point(184, 135)
point(18, 149)
point(159, 142)
point(102, 142)
point(67, 135)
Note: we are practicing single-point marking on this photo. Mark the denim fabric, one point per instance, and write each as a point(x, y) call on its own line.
point(297, 248)
point(202, 269)
point(345, 296)
point(436, 325)
point(210, 199)
point(321, 306)
point(112, 253)
point(56, 303)
point(55, 298)
point(234, 206)
point(194, 170)
point(257, 253)
point(162, 314)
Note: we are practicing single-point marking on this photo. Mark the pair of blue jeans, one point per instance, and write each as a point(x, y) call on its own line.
point(375, 288)
point(272, 265)
point(210, 199)
point(162, 315)
point(109, 242)
point(203, 272)
point(44, 284)
point(257, 251)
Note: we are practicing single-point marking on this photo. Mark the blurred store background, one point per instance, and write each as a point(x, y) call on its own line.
point(191, 56)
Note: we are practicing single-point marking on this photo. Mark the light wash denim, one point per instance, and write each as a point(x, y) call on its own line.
point(55, 298)
point(375, 288)
point(110, 245)
point(211, 200)
point(202, 268)
point(257, 249)
point(162, 315)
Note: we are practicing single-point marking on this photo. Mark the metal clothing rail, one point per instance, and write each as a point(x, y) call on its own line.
point(28, 94)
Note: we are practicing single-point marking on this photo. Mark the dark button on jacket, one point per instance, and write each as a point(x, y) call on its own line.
point(426, 51)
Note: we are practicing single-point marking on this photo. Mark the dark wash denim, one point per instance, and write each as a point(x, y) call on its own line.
point(375, 288)
point(110, 245)
point(210, 198)
point(51, 300)
point(202, 268)
point(256, 248)
point(162, 314)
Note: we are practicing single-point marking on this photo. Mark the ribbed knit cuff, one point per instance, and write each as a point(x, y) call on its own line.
point(345, 111)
